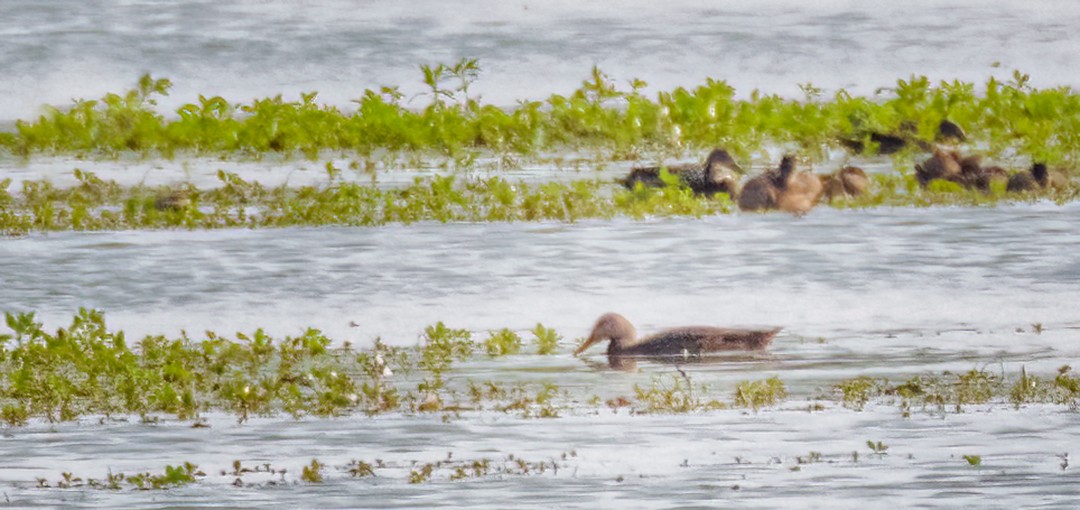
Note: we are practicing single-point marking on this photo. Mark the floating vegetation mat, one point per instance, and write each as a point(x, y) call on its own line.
point(85, 370)
point(1001, 118)
point(96, 204)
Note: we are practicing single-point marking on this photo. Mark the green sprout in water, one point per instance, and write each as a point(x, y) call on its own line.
point(758, 394)
point(503, 342)
point(546, 339)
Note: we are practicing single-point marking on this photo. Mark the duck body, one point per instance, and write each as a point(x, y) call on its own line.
point(1038, 178)
point(940, 165)
point(850, 181)
point(686, 341)
point(716, 175)
point(782, 188)
point(905, 136)
point(800, 193)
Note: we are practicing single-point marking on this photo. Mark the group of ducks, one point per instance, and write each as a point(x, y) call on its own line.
point(969, 173)
point(781, 188)
point(786, 189)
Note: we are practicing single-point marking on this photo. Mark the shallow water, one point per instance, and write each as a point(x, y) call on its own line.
point(883, 292)
point(242, 49)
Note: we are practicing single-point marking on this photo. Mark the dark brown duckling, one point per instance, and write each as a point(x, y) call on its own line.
point(1039, 177)
point(686, 341)
point(975, 176)
point(941, 165)
point(716, 175)
point(906, 135)
point(850, 181)
point(950, 132)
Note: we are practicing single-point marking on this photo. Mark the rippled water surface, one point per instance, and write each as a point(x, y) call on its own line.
point(884, 292)
point(53, 51)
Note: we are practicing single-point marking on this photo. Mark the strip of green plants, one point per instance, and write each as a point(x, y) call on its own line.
point(85, 370)
point(96, 204)
point(1000, 116)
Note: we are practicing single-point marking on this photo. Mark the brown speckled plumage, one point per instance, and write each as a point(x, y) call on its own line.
point(686, 341)
point(717, 175)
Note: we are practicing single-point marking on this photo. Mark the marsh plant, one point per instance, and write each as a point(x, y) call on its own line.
point(758, 394)
point(448, 120)
point(86, 370)
point(675, 393)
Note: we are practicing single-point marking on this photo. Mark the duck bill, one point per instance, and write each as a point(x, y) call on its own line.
point(588, 343)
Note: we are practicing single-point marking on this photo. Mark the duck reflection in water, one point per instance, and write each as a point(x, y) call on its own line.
point(672, 345)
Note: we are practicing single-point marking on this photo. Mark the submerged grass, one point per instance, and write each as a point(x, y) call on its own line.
point(104, 205)
point(97, 204)
point(316, 472)
point(1002, 116)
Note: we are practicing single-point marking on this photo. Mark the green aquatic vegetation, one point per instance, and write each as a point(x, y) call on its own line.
point(673, 394)
point(758, 394)
point(546, 339)
point(975, 387)
point(543, 404)
point(602, 116)
point(880, 449)
point(1068, 385)
point(312, 473)
point(441, 347)
point(98, 205)
point(1029, 389)
point(421, 475)
point(173, 476)
point(379, 394)
point(502, 342)
point(856, 392)
point(84, 369)
point(315, 472)
point(359, 469)
point(973, 460)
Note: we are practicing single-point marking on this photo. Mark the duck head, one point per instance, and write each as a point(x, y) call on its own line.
point(719, 160)
point(1039, 172)
point(610, 326)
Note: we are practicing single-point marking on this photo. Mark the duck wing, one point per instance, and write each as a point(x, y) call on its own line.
point(700, 339)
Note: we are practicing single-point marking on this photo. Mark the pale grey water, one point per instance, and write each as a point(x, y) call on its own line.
point(884, 292)
point(53, 51)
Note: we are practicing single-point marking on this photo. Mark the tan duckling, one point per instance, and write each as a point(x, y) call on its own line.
point(762, 193)
point(717, 175)
point(782, 188)
point(850, 181)
point(685, 341)
point(800, 193)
